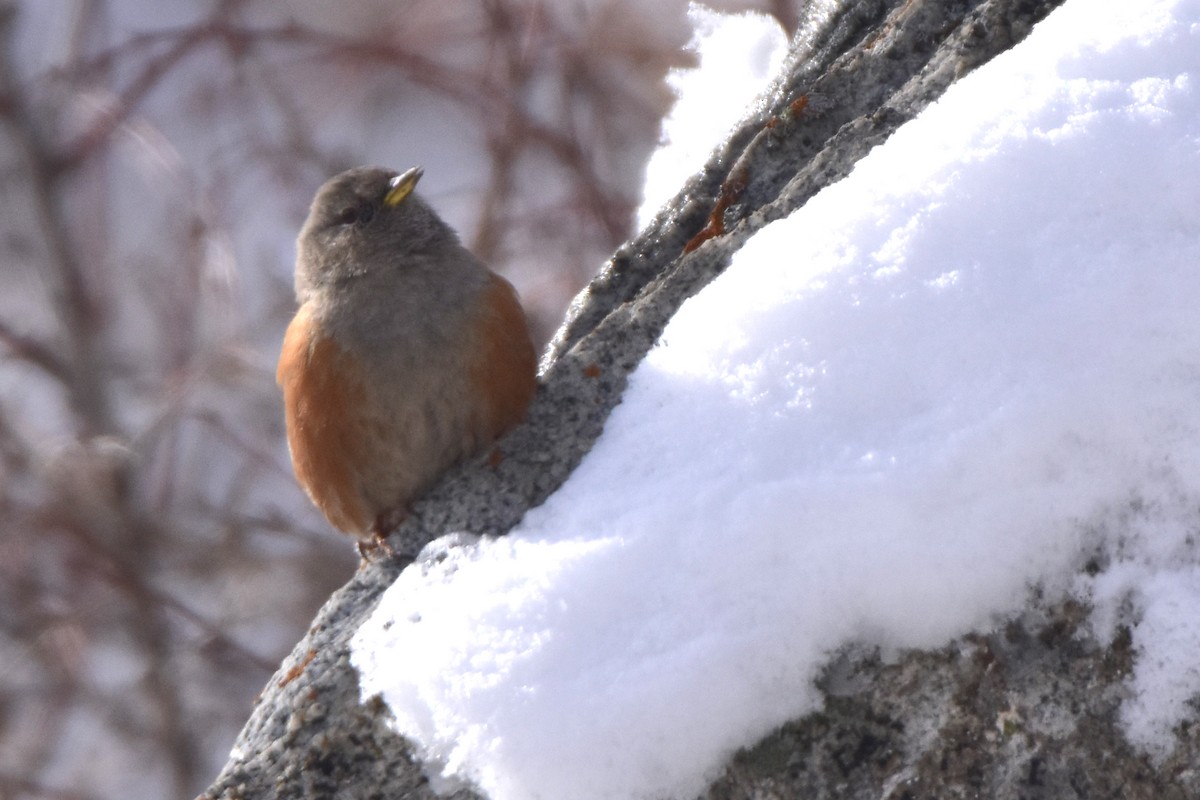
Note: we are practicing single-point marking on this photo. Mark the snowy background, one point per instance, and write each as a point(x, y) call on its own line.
point(965, 371)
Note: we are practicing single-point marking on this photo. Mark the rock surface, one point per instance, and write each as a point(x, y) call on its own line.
point(1030, 711)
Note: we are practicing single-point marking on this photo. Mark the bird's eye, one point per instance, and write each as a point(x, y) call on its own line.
point(360, 214)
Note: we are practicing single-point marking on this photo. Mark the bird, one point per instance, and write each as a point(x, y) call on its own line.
point(406, 354)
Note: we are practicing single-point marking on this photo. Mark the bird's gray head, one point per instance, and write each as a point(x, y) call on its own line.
point(365, 221)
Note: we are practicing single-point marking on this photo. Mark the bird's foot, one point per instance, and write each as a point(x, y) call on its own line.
point(377, 547)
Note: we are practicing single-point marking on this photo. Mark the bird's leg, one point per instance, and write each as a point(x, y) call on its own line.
point(385, 523)
point(375, 548)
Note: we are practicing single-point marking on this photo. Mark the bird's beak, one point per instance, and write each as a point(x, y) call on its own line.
point(401, 186)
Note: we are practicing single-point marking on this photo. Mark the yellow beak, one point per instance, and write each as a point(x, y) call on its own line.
point(402, 186)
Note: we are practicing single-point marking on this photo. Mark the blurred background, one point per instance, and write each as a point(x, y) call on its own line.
point(157, 157)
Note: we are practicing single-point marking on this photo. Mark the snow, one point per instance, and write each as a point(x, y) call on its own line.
point(968, 369)
point(738, 55)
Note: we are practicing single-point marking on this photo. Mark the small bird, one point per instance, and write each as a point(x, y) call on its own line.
point(406, 355)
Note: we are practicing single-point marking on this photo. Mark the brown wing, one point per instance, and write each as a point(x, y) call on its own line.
point(505, 368)
point(323, 396)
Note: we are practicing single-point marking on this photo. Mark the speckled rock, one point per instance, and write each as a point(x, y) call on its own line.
point(1029, 711)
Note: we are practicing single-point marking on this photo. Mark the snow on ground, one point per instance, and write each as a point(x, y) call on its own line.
point(966, 369)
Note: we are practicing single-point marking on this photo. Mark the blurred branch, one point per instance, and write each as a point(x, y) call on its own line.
point(15, 451)
point(509, 67)
point(90, 487)
point(119, 572)
point(14, 785)
point(34, 352)
point(150, 628)
point(79, 315)
point(119, 111)
point(493, 96)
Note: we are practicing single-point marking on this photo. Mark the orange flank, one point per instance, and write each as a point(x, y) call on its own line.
point(316, 376)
